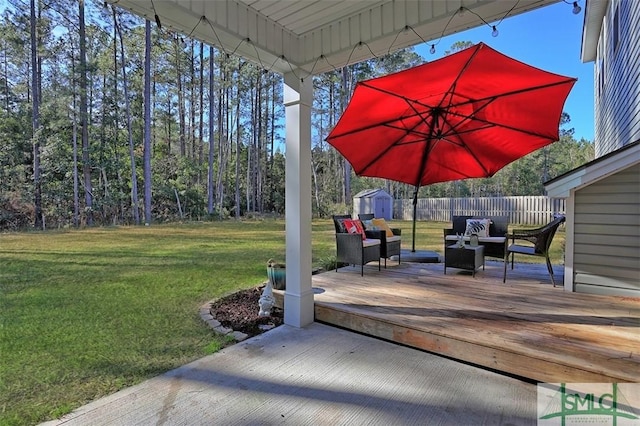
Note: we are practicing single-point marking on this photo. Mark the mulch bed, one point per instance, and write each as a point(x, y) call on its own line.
point(239, 312)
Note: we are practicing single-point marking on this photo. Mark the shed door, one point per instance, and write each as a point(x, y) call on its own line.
point(380, 207)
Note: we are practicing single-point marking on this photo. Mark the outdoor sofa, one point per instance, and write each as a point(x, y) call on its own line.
point(495, 243)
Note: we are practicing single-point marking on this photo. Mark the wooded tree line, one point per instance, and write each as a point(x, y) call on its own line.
point(108, 119)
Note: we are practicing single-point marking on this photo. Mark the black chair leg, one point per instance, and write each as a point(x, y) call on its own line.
point(550, 269)
point(506, 262)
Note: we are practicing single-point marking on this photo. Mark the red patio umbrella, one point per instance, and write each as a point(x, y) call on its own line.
point(466, 115)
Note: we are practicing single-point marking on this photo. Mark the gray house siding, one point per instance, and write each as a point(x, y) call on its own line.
point(617, 78)
point(607, 235)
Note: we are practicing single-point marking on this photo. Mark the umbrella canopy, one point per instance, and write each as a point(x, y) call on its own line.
point(466, 115)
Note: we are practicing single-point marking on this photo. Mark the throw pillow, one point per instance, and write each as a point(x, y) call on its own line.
point(360, 228)
point(353, 226)
point(369, 226)
point(382, 225)
point(480, 227)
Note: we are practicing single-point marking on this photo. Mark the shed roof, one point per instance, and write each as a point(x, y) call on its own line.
point(367, 193)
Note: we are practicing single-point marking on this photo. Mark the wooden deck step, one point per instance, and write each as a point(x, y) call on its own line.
point(524, 327)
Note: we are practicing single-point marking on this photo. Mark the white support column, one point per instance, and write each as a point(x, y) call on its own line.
point(298, 297)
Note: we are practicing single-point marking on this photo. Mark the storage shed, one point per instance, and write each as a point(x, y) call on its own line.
point(376, 201)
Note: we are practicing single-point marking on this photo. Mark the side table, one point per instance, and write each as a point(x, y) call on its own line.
point(468, 258)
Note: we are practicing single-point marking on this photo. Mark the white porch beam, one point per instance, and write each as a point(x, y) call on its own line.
point(298, 297)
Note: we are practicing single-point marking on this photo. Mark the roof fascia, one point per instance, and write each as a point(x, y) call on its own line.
point(595, 11)
point(593, 171)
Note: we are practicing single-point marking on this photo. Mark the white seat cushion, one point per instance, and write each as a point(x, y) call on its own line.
point(481, 239)
point(492, 239)
point(394, 238)
point(370, 242)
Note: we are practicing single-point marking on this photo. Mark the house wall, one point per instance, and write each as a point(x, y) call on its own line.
point(606, 256)
point(617, 78)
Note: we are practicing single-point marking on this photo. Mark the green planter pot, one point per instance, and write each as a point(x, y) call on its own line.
point(277, 275)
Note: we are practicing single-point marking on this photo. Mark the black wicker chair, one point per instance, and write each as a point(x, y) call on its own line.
point(352, 249)
point(388, 248)
point(540, 238)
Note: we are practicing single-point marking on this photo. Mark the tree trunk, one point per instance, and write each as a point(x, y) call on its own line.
point(192, 103)
point(35, 120)
point(258, 145)
point(248, 192)
point(154, 108)
point(169, 126)
point(181, 118)
point(316, 189)
point(222, 132)
point(5, 67)
point(210, 188)
point(272, 144)
point(76, 195)
point(116, 112)
point(108, 206)
point(237, 168)
point(201, 119)
point(84, 122)
point(147, 123)
point(134, 176)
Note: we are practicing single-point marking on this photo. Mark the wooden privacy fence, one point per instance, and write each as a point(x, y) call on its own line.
point(522, 210)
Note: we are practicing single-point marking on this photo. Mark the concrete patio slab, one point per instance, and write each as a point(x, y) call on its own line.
point(318, 375)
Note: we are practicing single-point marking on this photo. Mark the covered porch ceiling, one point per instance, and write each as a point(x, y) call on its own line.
point(314, 36)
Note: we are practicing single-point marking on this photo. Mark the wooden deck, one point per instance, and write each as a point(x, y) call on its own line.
point(525, 327)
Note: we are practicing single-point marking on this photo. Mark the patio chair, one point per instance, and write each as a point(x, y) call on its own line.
point(389, 245)
point(540, 238)
point(352, 249)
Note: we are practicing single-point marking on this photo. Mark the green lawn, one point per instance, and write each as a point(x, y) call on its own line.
point(84, 313)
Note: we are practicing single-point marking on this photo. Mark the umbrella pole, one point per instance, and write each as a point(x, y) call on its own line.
point(415, 208)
